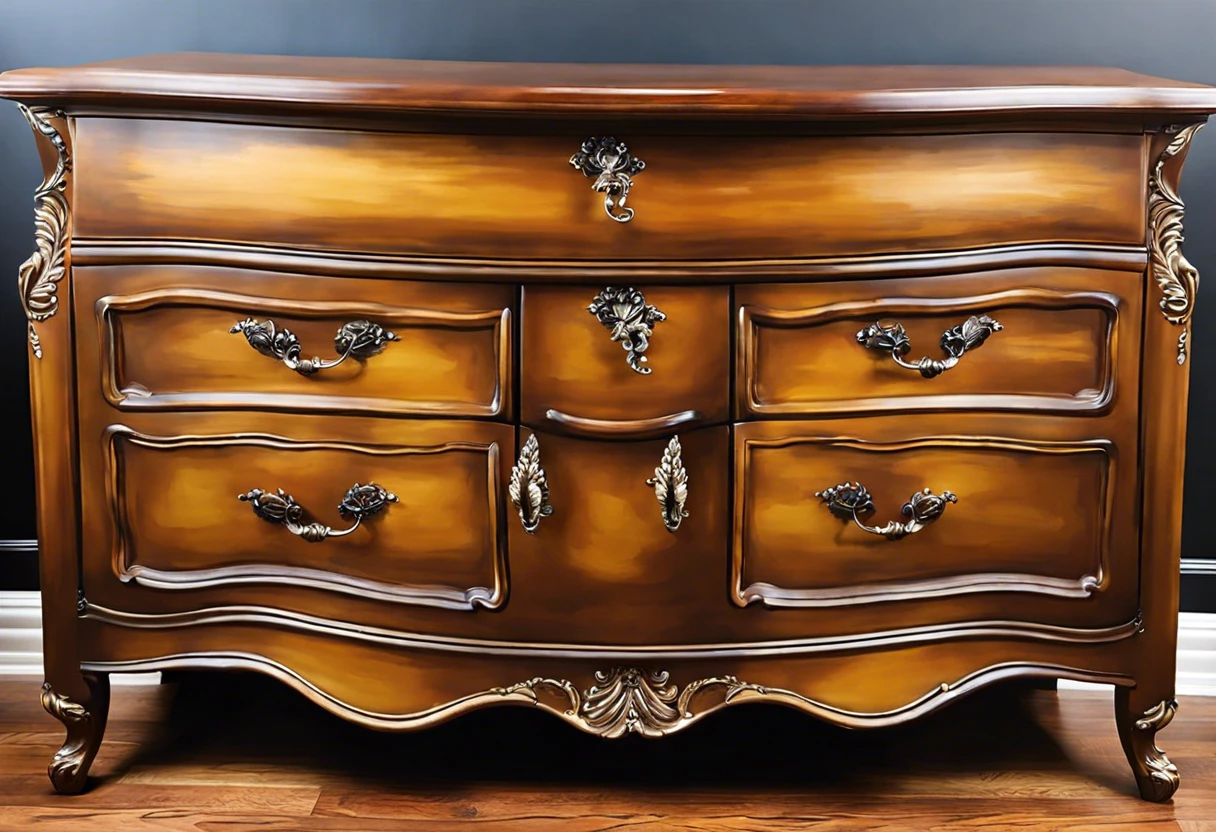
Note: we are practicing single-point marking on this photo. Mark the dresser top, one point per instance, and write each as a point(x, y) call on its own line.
point(210, 81)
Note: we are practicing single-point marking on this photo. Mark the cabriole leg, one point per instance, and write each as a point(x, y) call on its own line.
point(1156, 776)
point(69, 768)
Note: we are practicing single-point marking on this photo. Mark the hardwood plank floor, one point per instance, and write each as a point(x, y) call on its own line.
point(235, 753)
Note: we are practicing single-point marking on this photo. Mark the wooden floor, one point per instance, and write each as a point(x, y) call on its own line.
point(242, 754)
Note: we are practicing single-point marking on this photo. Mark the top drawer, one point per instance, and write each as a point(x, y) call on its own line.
point(1068, 342)
point(511, 196)
point(183, 338)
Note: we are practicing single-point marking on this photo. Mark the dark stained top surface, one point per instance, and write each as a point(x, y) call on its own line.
point(220, 81)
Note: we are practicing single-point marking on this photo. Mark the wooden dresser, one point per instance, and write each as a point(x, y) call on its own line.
point(623, 392)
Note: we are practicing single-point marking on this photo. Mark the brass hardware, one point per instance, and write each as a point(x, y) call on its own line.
point(849, 502)
point(623, 311)
point(281, 508)
point(670, 484)
point(357, 339)
point(955, 341)
point(528, 488)
point(610, 162)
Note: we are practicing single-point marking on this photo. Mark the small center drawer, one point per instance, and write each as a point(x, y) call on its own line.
point(1042, 339)
point(628, 359)
point(172, 338)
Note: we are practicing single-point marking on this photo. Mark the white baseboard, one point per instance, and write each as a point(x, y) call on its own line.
point(20, 634)
point(21, 647)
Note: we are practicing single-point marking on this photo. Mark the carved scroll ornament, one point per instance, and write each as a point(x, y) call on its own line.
point(1175, 276)
point(631, 701)
point(1159, 776)
point(39, 276)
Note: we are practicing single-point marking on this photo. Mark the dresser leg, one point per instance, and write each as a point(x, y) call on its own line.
point(1156, 776)
point(69, 768)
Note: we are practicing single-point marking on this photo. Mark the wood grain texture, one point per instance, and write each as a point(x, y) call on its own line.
point(409, 688)
point(699, 198)
point(1000, 537)
point(269, 82)
point(572, 366)
point(164, 341)
point(201, 195)
point(1066, 333)
point(170, 521)
point(234, 753)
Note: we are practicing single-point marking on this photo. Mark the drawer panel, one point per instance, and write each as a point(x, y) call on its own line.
point(516, 196)
point(571, 364)
point(604, 567)
point(1062, 334)
point(166, 340)
point(175, 512)
point(1046, 511)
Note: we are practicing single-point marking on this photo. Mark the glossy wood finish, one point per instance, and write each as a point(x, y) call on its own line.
point(780, 211)
point(1054, 517)
point(165, 342)
point(573, 367)
point(241, 753)
point(700, 198)
point(404, 689)
point(440, 543)
point(169, 521)
point(260, 83)
point(603, 562)
point(1067, 334)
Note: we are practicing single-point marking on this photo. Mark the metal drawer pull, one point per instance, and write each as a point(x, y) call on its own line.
point(528, 488)
point(281, 508)
point(670, 484)
point(850, 501)
point(955, 341)
point(357, 339)
point(623, 311)
point(613, 167)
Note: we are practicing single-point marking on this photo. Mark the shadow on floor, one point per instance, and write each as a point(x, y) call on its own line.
point(246, 719)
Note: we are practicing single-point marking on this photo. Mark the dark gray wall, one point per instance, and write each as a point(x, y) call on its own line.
point(1173, 38)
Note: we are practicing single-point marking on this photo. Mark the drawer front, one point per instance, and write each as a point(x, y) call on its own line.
point(1047, 509)
point(516, 196)
point(171, 507)
point(1062, 334)
point(167, 338)
point(604, 567)
point(668, 365)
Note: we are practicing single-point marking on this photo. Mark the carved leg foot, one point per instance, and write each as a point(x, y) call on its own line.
point(1156, 776)
point(69, 768)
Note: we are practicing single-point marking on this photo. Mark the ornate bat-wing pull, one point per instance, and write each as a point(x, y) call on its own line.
point(957, 340)
point(357, 339)
point(623, 311)
point(849, 502)
point(613, 167)
point(528, 488)
point(670, 484)
point(280, 507)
